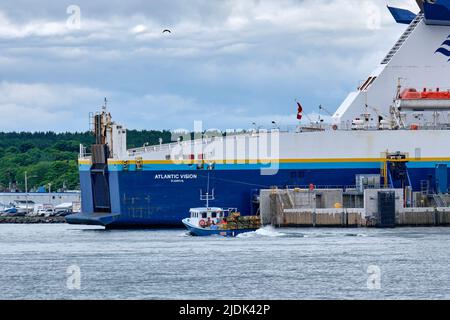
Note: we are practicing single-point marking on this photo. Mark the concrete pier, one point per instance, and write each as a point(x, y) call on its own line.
point(424, 217)
point(324, 208)
point(321, 218)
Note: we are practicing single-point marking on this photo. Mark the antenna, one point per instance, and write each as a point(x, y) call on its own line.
point(105, 105)
point(207, 197)
point(399, 88)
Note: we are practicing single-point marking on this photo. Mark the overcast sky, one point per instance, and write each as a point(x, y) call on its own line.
point(227, 62)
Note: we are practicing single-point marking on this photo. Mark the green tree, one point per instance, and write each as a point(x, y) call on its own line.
point(50, 157)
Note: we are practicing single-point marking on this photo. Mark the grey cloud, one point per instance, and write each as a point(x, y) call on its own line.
point(167, 11)
point(254, 57)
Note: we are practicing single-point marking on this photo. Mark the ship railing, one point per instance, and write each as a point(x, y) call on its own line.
point(169, 146)
point(320, 187)
point(420, 127)
point(206, 140)
point(83, 153)
point(286, 129)
point(333, 187)
point(432, 126)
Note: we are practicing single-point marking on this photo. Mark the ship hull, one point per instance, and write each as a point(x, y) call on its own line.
point(161, 198)
point(155, 186)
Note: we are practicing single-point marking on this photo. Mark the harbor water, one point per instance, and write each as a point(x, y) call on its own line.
point(38, 262)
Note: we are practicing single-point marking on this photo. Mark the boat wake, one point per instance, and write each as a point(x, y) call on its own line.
point(356, 235)
point(262, 232)
point(333, 235)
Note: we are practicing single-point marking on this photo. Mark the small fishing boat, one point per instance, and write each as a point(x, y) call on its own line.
point(210, 221)
point(218, 221)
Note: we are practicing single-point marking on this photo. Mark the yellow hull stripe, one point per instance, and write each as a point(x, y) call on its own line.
point(335, 160)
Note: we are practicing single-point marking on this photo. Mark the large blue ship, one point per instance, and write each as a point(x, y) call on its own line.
point(405, 140)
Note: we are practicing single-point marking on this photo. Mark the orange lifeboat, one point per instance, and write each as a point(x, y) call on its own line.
point(413, 94)
point(427, 100)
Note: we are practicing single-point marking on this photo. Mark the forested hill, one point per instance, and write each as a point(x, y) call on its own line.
point(50, 157)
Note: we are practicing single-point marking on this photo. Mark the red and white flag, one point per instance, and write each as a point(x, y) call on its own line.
point(299, 111)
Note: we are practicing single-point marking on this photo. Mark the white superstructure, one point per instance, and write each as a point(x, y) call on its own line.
point(412, 63)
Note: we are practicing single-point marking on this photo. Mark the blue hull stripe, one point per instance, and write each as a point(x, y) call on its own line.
point(163, 197)
point(281, 166)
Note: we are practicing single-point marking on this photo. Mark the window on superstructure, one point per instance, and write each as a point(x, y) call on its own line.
point(367, 84)
point(361, 88)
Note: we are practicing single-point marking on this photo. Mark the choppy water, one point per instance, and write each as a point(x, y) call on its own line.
point(268, 264)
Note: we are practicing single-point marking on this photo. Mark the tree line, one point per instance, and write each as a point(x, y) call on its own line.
point(51, 159)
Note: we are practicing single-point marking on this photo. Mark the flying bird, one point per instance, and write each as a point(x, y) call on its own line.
point(167, 31)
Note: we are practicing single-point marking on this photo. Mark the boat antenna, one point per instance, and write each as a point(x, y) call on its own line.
point(207, 197)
